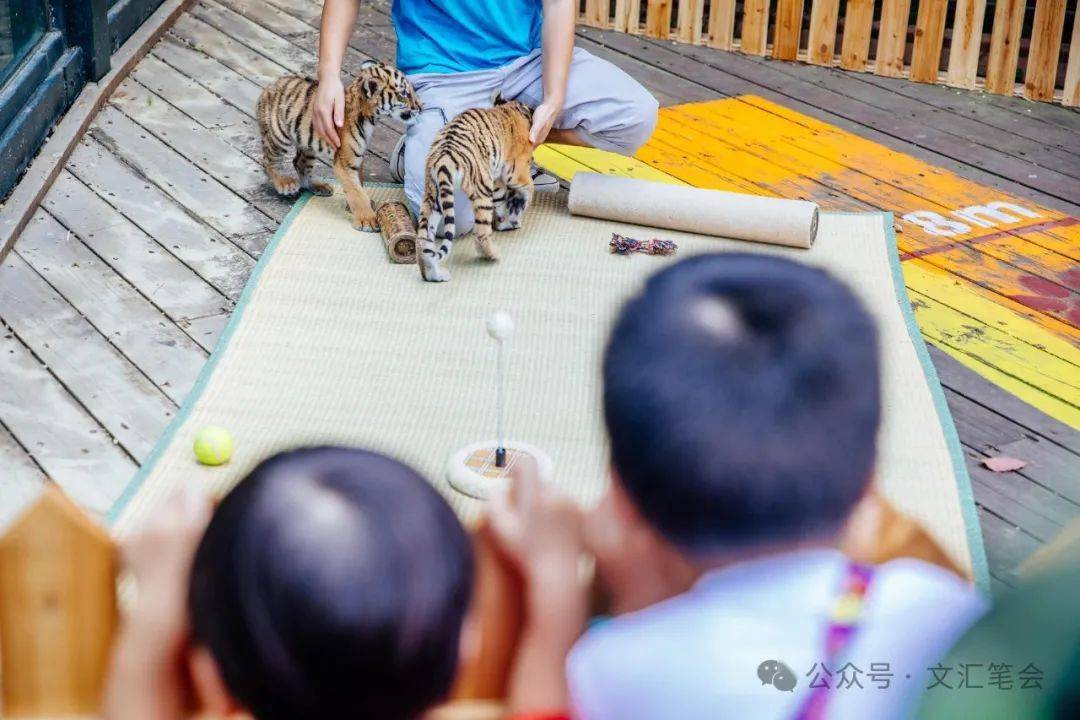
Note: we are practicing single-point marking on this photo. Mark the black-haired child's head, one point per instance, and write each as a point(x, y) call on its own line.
point(742, 399)
point(332, 583)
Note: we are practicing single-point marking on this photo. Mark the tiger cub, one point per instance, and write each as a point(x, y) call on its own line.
point(486, 153)
point(286, 111)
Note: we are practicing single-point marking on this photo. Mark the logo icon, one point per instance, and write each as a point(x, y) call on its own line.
point(777, 674)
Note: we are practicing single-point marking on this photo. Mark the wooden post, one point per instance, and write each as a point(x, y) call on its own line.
point(1071, 94)
point(691, 16)
point(929, 34)
point(721, 23)
point(1042, 65)
point(966, 43)
point(858, 22)
point(628, 16)
point(57, 610)
point(658, 18)
point(1004, 46)
point(892, 38)
point(788, 29)
point(821, 45)
point(596, 13)
point(88, 28)
point(755, 26)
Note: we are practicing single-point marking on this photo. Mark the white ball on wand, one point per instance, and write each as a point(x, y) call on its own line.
point(500, 326)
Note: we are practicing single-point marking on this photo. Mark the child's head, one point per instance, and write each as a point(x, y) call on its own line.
point(332, 583)
point(741, 394)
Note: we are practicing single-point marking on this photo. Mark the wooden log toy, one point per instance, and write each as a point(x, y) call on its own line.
point(398, 232)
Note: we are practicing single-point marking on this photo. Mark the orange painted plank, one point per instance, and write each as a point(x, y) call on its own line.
point(929, 34)
point(1044, 49)
point(755, 26)
point(910, 173)
point(858, 21)
point(713, 135)
point(967, 33)
point(821, 44)
point(1004, 46)
point(787, 30)
point(892, 38)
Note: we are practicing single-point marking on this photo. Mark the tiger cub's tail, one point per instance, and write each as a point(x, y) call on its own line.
point(437, 210)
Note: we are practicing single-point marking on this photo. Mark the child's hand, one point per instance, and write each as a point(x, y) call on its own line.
point(329, 109)
point(543, 119)
point(540, 530)
point(147, 678)
point(159, 557)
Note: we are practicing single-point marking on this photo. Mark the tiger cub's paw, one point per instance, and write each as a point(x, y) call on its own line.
point(486, 247)
point(366, 222)
point(503, 223)
point(287, 186)
point(321, 189)
point(433, 272)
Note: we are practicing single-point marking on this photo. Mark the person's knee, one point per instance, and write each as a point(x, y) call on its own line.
point(642, 114)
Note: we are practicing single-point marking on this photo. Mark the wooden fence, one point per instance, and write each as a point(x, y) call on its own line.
point(1001, 46)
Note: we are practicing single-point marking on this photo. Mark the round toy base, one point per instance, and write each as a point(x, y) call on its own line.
point(472, 469)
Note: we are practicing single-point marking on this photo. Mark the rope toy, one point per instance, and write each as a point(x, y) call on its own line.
point(622, 245)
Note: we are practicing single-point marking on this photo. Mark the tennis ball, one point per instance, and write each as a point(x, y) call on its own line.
point(213, 445)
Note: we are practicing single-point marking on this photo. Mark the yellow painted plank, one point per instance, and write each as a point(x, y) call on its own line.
point(980, 349)
point(1059, 355)
point(566, 160)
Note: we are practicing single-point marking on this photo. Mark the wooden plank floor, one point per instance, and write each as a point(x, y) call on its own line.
point(115, 294)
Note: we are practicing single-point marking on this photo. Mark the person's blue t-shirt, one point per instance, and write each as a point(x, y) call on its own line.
point(447, 36)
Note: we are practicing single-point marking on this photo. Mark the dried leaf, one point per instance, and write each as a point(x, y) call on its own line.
point(1002, 463)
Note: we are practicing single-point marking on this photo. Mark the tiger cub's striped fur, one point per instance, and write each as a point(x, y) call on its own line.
point(486, 153)
point(286, 124)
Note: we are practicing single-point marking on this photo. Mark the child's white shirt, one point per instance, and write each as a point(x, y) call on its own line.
point(696, 656)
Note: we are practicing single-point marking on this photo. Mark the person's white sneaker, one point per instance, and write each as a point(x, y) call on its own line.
point(543, 181)
point(397, 161)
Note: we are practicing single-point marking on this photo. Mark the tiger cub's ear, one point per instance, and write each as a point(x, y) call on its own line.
point(498, 99)
point(371, 62)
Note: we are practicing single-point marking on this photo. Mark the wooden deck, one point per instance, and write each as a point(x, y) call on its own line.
point(114, 295)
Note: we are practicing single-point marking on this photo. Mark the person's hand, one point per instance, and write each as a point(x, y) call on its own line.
point(543, 119)
point(158, 557)
point(147, 677)
point(539, 529)
point(635, 566)
point(329, 109)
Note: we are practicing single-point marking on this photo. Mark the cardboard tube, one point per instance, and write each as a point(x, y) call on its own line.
point(708, 212)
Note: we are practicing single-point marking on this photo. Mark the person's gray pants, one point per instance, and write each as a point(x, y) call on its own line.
point(605, 107)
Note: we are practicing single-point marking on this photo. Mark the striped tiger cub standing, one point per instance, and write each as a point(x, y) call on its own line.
point(286, 112)
point(486, 153)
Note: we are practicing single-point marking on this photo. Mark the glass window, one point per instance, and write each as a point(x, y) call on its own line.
point(22, 23)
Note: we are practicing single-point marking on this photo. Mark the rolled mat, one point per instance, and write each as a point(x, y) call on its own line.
point(792, 223)
point(330, 343)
